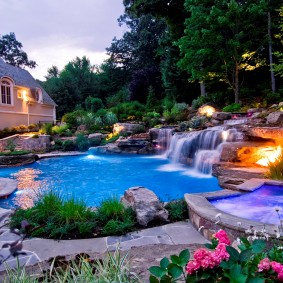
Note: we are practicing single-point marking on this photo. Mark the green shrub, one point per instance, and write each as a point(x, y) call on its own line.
point(82, 142)
point(54, 217)
point(129, 110)
point(177, 210)
point(46, 129)
point(11, 145)
point(119, 97)
point(59, 130)
point(68, 145)
point(110, 119)
point(234, 107)
point(275, 169)
point(58, 145)
point(271, 98)
point(93, 104)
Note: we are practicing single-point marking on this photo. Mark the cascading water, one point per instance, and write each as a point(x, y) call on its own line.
point(163, 139)
point(199, 149)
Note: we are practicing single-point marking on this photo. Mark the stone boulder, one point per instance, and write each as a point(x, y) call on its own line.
point(95, 139)
point(128, 128)
point(146, 205)
point(275, 117)
point(221, 116)
point(153, 133)
point(17, 160)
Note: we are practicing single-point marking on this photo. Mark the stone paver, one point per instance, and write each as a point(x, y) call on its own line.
point(38, 250)
point(7, 186)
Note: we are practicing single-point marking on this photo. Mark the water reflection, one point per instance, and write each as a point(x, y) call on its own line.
point(29, 187)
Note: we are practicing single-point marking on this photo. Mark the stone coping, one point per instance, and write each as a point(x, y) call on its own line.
point(7, 187)
point(199, 205)
point(61, 154)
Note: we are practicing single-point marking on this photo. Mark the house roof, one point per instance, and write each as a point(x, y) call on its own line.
point(23, 78)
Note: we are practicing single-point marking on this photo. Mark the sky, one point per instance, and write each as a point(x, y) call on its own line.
point(55, 32)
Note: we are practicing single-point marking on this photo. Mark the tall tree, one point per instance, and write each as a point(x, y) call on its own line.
point(11, 52)
point(221, 41)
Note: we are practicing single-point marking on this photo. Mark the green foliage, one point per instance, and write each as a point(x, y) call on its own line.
point(46, 129)
point(15, 152)
point(109, 119)
point(115, 218)
point(93, 104)
point(11, 145)
point(234, 107)
point(82, 142)
point(151, 119)
point(68, 145)
point(54, 217)
point(129, 111)
point(177, 210)
point(110, 138)
point(271, 98)
point(113, 267)
point(119, 97)
point(275, 169)
point(59, 130)
point(11, 52)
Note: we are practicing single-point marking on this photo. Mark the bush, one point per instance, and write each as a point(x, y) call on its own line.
point(93, 104)
point(82, 142)
point(59, 130)
point(234, 107)
point(177, 210)
point(110, 119)
point(46, 129)
point(275, 169)
point(16, 152)
point(68, 145)
point(11, 145)
point(129, 110)
point(56, 218)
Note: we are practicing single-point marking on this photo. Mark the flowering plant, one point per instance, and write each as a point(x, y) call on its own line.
point(250, 262)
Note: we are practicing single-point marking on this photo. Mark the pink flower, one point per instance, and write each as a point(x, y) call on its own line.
point(222, 236)
point(220, 254)
point(277, 267)
point(200, 254)
point(264, 264)
point(192, 266)
point(280, 276)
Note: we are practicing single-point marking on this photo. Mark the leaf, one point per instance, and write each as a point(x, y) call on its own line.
point(153, 279)
point(157, 271)
point(245, 255)
point(184, 256)
point(209, 246)
point(234, 255)
point(175, 270)
point(175, 259)
point(164, 263)
point(166, 279)
point(256, 280)
point(258, 246)
point(236, 275)
point(226, 264)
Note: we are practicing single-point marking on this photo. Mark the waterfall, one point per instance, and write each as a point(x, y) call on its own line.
point(163, 139)
point(200, 149)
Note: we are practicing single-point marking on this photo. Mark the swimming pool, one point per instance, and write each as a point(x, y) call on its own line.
point(96, 177)
point(265, 204)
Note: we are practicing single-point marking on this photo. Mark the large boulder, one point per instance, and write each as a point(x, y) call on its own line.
point(128, 128)
point(275, 117)
point(221, 116)
point(95, 139)
point(146, 205)
point(17, 160)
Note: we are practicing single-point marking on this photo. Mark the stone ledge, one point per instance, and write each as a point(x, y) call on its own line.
point(7, 187)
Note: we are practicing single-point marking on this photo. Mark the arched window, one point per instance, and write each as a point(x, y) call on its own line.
point(6, 92)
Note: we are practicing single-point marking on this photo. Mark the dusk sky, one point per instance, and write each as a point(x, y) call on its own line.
point(54, 32)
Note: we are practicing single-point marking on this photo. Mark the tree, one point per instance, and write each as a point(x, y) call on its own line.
point(278, 68)
point(221, 41)
point(11, 52)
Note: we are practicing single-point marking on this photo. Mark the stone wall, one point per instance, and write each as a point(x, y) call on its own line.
point(4, 142)
point(42, 143)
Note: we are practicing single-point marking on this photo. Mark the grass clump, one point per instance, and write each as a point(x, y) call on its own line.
point(56, 218)
point(275, 169)
point(114, 217)
point(177, 210)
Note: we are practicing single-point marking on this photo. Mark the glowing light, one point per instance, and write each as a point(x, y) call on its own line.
point(206, 110)
point(269, 155)
point(117, 129)
point(225, 135)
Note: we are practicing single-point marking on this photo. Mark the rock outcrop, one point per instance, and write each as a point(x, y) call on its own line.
point(146, 205)
point(128, 128)
point(17, 160)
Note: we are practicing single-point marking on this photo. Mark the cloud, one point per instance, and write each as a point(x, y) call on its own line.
point(55, 32)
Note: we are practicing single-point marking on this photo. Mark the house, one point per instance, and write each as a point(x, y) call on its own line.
point(22, 100)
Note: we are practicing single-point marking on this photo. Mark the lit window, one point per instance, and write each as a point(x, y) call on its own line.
point(6, 92)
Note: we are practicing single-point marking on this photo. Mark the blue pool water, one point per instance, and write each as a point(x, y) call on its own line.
point(259, 205)
point(96, 177)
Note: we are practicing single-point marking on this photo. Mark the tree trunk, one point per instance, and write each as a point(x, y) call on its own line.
point(237, 86)
point(273, 85)
point(202, 88)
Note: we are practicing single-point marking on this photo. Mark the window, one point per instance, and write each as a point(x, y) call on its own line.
point(6, 92)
